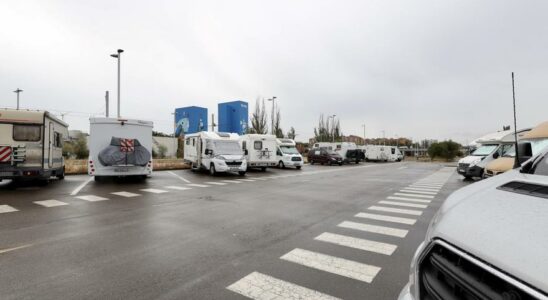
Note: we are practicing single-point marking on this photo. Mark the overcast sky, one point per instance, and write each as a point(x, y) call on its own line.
point(436, 69)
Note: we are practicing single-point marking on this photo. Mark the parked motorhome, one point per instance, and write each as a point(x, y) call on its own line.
point(490, 147)
point(259, 150)
point(287, 154)
point(382, 153)
point(31, 145)
point(120, 148)
point(215, 152)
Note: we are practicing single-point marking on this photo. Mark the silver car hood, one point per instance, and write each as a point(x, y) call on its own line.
point(504, 229)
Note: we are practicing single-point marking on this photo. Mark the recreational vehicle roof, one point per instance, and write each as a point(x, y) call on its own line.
point(259, 136)
point(215, 135)
point(538, 132)
point(120, 120)
point(8, 115)
point(286, 142)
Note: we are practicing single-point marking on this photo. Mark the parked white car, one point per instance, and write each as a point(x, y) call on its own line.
point(287, 154)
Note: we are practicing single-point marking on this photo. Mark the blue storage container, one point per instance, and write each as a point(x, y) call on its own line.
point(190, 119)
point(233, 117)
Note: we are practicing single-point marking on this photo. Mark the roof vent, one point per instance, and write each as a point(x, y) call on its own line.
point(526, 188)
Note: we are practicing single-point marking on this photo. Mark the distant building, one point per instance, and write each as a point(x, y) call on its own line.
point(353, 139)
point(190, 119)
point(233, 117)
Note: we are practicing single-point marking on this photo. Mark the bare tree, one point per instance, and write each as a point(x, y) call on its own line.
point(291, 133)
point(277, 130)
point(259, 118)
point(326, 132)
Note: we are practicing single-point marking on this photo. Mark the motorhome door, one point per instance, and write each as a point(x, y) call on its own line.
point(50, 145)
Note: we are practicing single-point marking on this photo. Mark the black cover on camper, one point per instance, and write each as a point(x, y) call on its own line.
point(118, 154)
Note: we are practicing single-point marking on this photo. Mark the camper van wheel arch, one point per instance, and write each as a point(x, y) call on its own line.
point(212, 170)
point(61, 176)
point(298, 167)
point(242, 173)
point(263, 169)
point(281, 165)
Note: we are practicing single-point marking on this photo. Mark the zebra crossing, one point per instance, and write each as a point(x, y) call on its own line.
point(261, 286)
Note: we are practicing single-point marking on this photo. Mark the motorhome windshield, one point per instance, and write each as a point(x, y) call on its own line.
point(485, 150)
point(227, 147)
point(289, 150)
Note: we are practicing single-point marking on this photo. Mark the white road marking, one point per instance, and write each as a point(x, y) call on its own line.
point(431, 185)
point(126, 194)
point(260, 178)
point(81, 186)
point(403, 204)
point(263, 287)
point(231, 181)
point(335, 265)
point(401, 168)
point(414, 195)
point(91, 198)
point(14, 248)
point(7, 209)
point(50, 203)
point(408, 199)
point(386, 218)
point(179, 188)
point(154, 191)
point(246, 180)
point(215, 183)
point(414, 186)
point(361, 244)
point(418, 192)
point(198, 185)
point(374, 228)
point(181, 178)
point(422, 189)
point(396, 210)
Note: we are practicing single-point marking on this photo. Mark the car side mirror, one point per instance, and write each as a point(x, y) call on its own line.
point(525, 152)
point(496, 155)
point(208, 151)
point(246, 152)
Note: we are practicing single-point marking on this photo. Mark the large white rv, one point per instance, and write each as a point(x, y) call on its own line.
point(287, 154)
point(215, 152)
point(382, 153)
point(259, 150)
point(31, 145)
point(120, 148)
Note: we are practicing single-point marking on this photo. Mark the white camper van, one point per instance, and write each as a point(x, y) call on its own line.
point(31, 145)
point(120, 148)
point(215, 152)
point(259, 150)
point(382, 153)
point(287, 154)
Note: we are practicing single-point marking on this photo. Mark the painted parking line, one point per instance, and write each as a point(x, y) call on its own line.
point(7, 209)
point(356, 243)
point(408, 199)
point(50, 203)
point(2, 251)
point(126, 194)
point(263, 287)
point(374, 229)
point(414, 195)
point(179, 188)
point(154, 191)
point(396, 210)
point(377, 217)
point(178, 176)
point(198, 185)
point(418, 192)
point(215, 183)
point(231, 181)
point(332, 264)
point(81, 186)
point(246, 180)
point(403, 204)
point(91, 198)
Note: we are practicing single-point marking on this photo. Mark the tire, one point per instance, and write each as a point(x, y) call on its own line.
point(298, 167)
point(340, 164)
point(311, 162)
point(281, 165)
point(212, 170)
point(467, 177)
point(98, 178)
point(241, 173)
point(263, 169)
point(62, 175)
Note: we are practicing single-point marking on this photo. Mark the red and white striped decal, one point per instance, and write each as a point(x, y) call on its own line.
point(5, 153)
point(127, 145)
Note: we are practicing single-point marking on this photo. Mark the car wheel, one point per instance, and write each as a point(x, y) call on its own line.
point(241, 173)
point(263, 169)
point(311, 162)
point(281, 165)
point(298, 167)
point(340, 164)
point(62, 175)
point(212, 170)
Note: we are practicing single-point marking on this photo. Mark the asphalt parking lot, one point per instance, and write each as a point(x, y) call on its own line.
point(323, 232)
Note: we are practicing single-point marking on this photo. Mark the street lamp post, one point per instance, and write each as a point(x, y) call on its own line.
point(332, 126)
point(17, 91)
point(273, 99)
point(117, 56)
point(363, 125)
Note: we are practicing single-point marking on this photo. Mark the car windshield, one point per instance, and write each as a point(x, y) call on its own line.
point(227, 147)
point(485, 150)
point(331, 152)
point(289, 150)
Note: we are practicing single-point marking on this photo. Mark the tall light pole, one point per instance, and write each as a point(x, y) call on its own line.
point(117, 56)
point(363, 125)
point(383, 138)
point(17, 91)
point(332, 126)
point(273, 99)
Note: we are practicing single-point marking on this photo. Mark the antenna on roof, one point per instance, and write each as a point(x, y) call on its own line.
point(516, 159)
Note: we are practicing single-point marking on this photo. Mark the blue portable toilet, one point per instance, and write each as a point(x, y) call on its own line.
point(233, 117)
point(190, 119)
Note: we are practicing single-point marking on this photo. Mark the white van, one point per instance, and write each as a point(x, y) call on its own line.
point(31, 145)
point(215, 152)
point(287, 154)
point(120, 148)
point(382, 153)
point(259, 150)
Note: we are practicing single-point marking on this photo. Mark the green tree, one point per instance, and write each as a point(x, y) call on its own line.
point(446, 149)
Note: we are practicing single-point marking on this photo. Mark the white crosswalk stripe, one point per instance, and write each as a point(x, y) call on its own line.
point(50, 203)
point(386, 218)
point(91, 198)
point(4, 208)
point(422, 189)
point(246, 180)
point(414, 195)
point(374, 228)
point(356, 243)
point(126, 194)
point(231, 181)
point(179, 188)
point(198, 185)
point(396, 210)
point(263, 287)
point(403, 204)
point(331, 264)
point(215, 183)
point(418, 192)
point(154, 191)
point(408, 199)
point(424, 185)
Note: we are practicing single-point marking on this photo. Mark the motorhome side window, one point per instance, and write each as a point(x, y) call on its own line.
point(393, 151)
point(193, 142)
point(188, 141)
point(57, 142)
point(26, 133)
point(244, 145)
point(258, 145)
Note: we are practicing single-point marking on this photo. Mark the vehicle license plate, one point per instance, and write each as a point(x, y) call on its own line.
point(121, 169)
